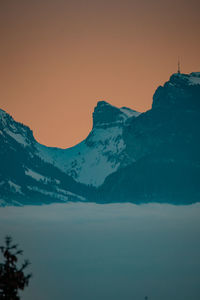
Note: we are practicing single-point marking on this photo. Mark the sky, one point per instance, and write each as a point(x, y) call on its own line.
point(59, 57)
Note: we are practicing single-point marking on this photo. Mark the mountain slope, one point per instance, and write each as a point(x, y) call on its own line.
point(165, 144)
point(101, 153)
point(24, 177)
point(128, 156)
point(33, 173)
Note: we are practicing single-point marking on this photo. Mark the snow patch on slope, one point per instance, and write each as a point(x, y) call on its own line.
point(189, 79)
point(15, 187)
point(89, 162)
point(92, 160)
point(18, 137)
point(36, 175)
point(129, 112)
point(101, 153)
point(59, 194)
point(194, 80)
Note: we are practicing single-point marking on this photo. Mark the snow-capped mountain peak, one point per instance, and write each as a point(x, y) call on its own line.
point(101, 153)
point(89, 162)
point(149, 146)
point(181, 79)
point(10, 129)
point(106, 114)
point(130, 112)
point(178, 92)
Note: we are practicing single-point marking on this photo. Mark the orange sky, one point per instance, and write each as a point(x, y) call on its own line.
point(59, 57)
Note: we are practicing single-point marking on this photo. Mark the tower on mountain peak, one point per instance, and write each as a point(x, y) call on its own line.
point(179, 66)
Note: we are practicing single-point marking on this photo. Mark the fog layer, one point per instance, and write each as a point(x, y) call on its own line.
point(85, 251)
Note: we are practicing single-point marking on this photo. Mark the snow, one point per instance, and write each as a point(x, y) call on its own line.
point(36, 175)
point(18, 137)
point(60, 194)
point(15, 187)
point(194, 80)
point(91, 161)
point(191, 79)
point(14, 129)
point(48, 193)
point(3, 116)
point(70, 194)
point(57, 181)
point(129, 112)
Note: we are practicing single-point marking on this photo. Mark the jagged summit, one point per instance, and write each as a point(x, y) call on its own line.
point(4, 116)
point(164, 143)
point(180, 79)
point(2, 112)
point(89, 162)
point(106, 114)
point(130, 112)
point(101, 153)
point(102, 103)
point(10, 129)
point(182, 90)
point(167, 133)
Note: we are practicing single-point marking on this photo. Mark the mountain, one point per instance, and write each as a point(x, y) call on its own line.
point(101, 153)
point(32, 173)
point(24, 177)
point(127, 156)
point(165, 144)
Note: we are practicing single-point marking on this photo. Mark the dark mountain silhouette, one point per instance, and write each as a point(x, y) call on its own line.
point(24, 177)
point(128, 156)
point(165, 144)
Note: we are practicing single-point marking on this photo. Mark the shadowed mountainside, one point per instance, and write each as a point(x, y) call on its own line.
point(128, 156)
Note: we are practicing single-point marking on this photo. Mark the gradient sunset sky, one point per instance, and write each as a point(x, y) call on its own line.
point(59, 57)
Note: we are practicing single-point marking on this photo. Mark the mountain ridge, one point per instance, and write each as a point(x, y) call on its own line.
point(101, 153)
point(165, 144)
point(127, 155)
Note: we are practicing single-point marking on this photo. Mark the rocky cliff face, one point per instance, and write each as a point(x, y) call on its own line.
point(34, 173)
point(106, 115)
point(24, 177)
point(14, 131)
point(153, 156)
point(101, 153)
point(164, 142)
point(180, 92)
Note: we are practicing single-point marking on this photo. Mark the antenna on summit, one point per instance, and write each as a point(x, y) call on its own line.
point(179, 66)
